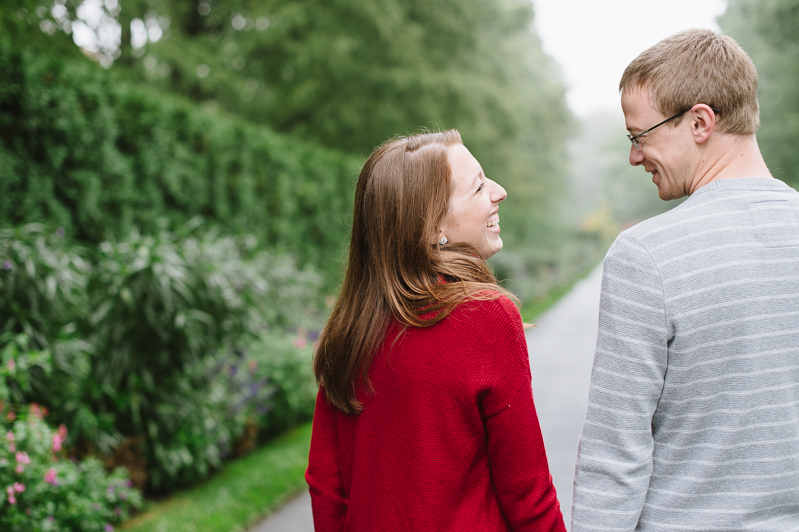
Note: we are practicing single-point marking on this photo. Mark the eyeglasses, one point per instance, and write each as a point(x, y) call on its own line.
point(634, 139)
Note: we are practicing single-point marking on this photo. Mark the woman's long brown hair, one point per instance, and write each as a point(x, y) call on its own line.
point(393, 271)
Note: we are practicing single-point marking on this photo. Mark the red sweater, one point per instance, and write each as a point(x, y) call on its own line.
point(449, 441)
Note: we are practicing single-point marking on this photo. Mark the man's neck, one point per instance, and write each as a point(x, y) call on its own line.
point(729, 157)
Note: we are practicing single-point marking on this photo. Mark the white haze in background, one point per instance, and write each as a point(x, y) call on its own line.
point(97, 31)
point(593, 41)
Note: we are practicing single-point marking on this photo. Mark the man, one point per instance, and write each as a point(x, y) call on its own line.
point(693, 414)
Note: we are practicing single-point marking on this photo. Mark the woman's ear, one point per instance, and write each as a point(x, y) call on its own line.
point(437, 236)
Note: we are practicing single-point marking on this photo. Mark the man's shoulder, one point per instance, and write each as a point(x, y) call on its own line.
point(713, 206)
point(643, 231)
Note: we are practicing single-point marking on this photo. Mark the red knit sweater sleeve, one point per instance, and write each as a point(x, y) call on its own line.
point(323, 476)
point(516, 448)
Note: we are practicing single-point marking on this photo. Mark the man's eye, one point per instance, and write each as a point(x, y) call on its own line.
point(480, 188)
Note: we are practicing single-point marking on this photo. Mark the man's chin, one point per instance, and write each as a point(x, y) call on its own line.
point(668, 195)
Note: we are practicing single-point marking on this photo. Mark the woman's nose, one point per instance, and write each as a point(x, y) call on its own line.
point(497, 192)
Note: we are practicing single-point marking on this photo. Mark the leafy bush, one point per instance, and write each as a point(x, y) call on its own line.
point(156, 342)
point(285, 362)
point(44, 491)
point(43, 286)
point(97, 155)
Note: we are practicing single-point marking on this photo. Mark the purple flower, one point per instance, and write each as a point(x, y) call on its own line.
point(7, 265)
point(110, 490)
point(108, 528)
point(128, 483)
point(50, 519)
point(118, 511)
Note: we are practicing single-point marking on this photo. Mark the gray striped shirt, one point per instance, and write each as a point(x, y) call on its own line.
point(693, 414)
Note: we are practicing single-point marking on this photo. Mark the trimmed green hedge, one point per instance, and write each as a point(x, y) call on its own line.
point(87, 151)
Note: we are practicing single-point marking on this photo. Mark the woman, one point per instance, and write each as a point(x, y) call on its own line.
point(425, 418)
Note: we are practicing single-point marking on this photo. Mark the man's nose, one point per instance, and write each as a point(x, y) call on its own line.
point(636, 156)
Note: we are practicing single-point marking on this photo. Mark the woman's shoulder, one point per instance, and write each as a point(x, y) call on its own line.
point(493, 308)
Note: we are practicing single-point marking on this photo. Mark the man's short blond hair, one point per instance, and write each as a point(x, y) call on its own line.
point(699, 66)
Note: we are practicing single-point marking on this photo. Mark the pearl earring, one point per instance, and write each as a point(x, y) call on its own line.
point(443, 240)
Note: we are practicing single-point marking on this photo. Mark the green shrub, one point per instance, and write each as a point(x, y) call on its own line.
point(44, 491)
point(155, 343)
point(43, 286)
point(82, 149)
point(285, 362)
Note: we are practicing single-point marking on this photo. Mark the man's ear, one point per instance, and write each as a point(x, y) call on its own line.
point(703, 122)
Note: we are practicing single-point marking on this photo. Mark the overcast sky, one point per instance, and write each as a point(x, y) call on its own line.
point(594, 40)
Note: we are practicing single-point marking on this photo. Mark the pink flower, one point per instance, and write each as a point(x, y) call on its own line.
point(20, 469)
point(300, 342)
point(22, 458)
point(51, 476)
point(11, 416)
point(56, 443)
point(19, 488)
point(12, 448)
point(11, 498)
point(10, 436)
point(12, 365)
point(36, 411)
point(62, 431)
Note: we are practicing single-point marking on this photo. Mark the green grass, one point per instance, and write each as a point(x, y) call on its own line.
point(531, 310)
point(244, 491)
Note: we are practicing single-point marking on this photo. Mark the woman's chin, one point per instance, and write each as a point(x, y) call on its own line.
point(493, 249)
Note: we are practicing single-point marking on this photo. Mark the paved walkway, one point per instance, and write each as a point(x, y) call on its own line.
point(561, 351)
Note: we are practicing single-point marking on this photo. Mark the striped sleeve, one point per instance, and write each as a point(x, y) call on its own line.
point(614, 461)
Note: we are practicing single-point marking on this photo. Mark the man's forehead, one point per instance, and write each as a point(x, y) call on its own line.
point(636, 104)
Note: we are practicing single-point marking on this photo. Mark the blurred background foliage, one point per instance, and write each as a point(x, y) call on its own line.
point(338, 75)
point(93, 155)
point(769, 32)
point(157, 351)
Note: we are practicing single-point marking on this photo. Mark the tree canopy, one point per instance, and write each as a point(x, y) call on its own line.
point(769, 32)
point(349, 74)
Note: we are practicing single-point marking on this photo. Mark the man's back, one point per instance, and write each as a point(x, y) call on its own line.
point(695, 389)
